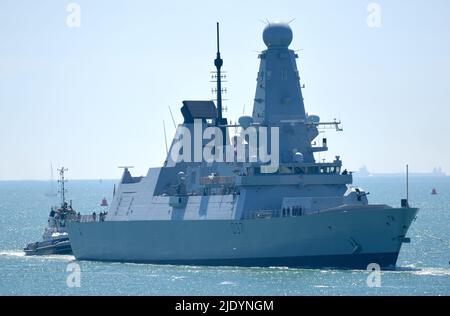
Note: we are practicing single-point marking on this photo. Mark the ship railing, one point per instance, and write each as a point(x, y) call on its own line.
point(86, 218)
point(91, 218)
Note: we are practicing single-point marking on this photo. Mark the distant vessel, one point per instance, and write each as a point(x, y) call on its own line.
point(55, 239)
point(434, 191)
point(437, 172)
point(104, 202)
point(241, 210)
point(51, 192)
point(363, 172)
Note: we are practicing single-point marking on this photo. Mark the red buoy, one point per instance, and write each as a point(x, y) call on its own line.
point(104, 202)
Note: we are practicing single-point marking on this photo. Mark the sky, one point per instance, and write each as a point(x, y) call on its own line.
point(94, 97)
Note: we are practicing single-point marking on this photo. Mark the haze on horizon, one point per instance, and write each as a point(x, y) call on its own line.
point(93, 97)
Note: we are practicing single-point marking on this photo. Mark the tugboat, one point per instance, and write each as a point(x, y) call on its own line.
point(55, 239)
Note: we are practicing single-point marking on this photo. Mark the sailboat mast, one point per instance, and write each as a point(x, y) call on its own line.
point(52, 189)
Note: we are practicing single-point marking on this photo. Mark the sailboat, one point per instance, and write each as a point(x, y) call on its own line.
point(51, 192)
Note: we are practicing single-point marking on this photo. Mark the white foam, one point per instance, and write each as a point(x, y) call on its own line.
point(433, 272)
point(59, 257)
point(12, 253)
point(227, 283)
point(21, 254)
point(280, 268)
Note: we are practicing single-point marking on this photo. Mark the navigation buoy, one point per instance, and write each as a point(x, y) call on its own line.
point(104, 202)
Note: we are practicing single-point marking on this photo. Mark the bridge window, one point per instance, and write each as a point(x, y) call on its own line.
point(294, 170)
point(330, 170)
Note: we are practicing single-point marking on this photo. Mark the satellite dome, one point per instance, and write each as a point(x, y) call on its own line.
point(313, 119)
point(277, 34)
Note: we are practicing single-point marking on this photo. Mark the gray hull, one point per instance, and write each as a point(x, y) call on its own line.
point(341, 239)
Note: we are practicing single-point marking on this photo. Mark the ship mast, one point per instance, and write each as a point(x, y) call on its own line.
point(221, 122)
point(218, 62)
point(62, 180)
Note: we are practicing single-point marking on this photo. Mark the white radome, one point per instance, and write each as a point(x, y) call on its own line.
point(277, 34)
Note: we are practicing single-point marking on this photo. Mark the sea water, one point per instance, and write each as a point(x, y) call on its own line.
point(423, 265)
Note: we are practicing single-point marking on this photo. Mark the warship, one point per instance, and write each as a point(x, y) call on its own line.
point(255, 198)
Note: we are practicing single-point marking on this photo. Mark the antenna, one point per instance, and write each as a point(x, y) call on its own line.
point(405, 202)
point(173, 120)
point(62, 180)
point(165, 137)
point(218, 39)
point(52, 187)
point(218, 62)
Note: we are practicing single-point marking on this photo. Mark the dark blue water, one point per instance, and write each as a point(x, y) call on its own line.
point(424, 267)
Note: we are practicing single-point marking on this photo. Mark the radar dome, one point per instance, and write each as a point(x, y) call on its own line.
point(245, 121)
point(277, 34)
point(313, 119)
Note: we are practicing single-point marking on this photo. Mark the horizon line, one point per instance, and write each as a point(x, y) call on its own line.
point(76, 179)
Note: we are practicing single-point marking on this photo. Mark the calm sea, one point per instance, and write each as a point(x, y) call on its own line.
point(423, 265)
